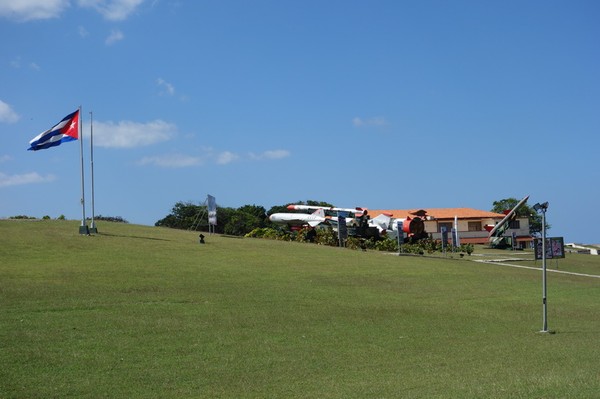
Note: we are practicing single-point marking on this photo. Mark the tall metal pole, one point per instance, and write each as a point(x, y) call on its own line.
point(544, 288)
point(93, 228)
point(83, 229)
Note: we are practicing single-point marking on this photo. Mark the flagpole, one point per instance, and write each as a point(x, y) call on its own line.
point(83, 229)
point(93, 229)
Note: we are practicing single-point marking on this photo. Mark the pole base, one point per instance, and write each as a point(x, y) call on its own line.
point(546, 332)
point(84, 230)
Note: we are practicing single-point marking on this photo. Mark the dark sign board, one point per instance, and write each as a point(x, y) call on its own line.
point(555, 247)
point(342, 227)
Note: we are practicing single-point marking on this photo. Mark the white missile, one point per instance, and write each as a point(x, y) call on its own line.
point(295, 207)
point(509, 216)
point(299, 219)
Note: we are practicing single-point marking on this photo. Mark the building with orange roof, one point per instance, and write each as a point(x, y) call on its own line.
point(471, 223)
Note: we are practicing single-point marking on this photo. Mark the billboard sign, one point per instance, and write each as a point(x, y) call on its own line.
point(555, 248)
point(212, 210)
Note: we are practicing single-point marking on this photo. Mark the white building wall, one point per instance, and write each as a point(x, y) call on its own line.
point(431, 227)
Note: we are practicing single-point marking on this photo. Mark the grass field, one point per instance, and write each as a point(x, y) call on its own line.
point(146, 312)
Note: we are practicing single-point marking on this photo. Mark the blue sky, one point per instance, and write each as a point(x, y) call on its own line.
point(380, 104)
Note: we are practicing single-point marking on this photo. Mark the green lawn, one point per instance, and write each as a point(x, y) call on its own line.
point(148, 312)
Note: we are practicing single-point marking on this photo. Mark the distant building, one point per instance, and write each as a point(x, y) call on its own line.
point(471, 223)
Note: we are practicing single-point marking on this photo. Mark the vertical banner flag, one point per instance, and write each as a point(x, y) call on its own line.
point(212, 210)
point(444, 231)
point(400, 229)
point(63, 131)
point(456, 231)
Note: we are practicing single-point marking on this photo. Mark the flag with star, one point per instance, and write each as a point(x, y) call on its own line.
point(65, 130)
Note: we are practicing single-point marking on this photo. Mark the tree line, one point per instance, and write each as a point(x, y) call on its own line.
point(232, 221)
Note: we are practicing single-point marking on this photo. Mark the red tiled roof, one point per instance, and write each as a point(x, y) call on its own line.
point(438, 213)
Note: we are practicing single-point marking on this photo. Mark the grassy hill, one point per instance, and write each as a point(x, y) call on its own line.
point(148, 312)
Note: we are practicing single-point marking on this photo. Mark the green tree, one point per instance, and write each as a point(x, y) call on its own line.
point(535, 220)
point(245, 219)
point(258, 211)
point(182, 216)
point(232, 221)
point(319, 203)
point(224, 215)
point(240, 224)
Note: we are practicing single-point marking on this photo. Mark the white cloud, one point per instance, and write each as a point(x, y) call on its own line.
point(29, 10)
point(127, 134)
point(171, 161)
point(5, 158)
point(377, 121)
point(113, 10)
point(27, 178)
point(271, 154)
point(115, 36)
point(208, 154)
point(7, 114)
point(227, 157)
point(167, 87)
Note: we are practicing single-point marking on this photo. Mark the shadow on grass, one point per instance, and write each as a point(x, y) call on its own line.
point(138, 237)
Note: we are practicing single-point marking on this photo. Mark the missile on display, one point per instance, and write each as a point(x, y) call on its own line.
point(501, 227)
point(295, 207)
point(299, 219)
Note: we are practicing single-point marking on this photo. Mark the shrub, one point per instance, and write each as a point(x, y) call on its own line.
point(326, 236)
point(422, 246)
point(307, 234)
point(354, 243)
point(468, 248)
point(387, 244)
point(269, 233)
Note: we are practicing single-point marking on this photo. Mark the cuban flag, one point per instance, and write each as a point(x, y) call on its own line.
point(63, 131)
